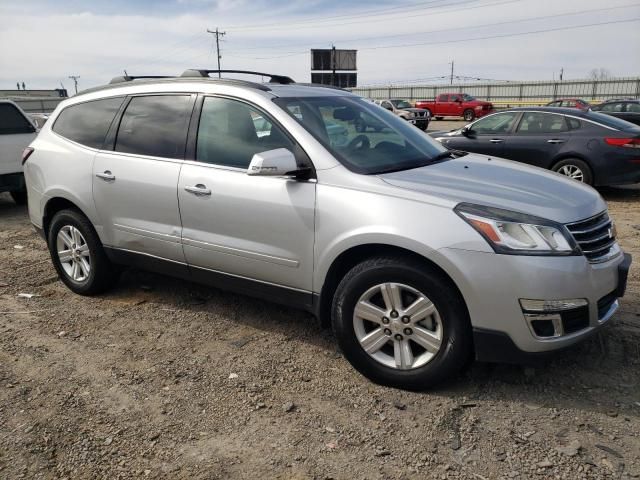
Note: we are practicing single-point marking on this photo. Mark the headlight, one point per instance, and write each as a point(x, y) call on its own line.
point(479, 107)
point(516, 233)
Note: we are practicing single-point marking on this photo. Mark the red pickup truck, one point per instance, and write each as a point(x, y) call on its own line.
point(456, 105)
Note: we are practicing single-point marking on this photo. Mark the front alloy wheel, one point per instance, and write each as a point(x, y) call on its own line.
point(572, 172)
point(398, 326)
point(401, 323)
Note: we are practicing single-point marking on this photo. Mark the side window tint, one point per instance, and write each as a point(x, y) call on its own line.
point(87, 123)
point(633, 107)
point(230, 133)
point(155, 126)
point(612, 107)
point(574, 123)
point(538, 122)
point(12, 121)
point(499, 123)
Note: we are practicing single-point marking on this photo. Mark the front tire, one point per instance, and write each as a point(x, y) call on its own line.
point(468, 115)
point(78, 255)
point(575, 169)
point(401, 325)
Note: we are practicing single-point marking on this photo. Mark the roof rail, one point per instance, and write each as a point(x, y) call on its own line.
point(129, 78)
point(282, 79)
point(321, 85)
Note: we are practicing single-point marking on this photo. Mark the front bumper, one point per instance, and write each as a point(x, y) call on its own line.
point(493, 285)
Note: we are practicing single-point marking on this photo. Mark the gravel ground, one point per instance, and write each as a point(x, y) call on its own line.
point(165, 379)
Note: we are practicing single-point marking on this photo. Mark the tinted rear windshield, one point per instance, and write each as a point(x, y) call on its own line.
point(612, 122)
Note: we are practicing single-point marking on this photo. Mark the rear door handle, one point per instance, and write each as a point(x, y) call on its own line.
point(198, 189)
point(106, 176)
point(496, 140)
point(555, 140)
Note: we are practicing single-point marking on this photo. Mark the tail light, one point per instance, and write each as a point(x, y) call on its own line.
point(623, 142)
point(26, 153)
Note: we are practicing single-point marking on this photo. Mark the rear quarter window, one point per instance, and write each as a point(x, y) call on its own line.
point(87, 123)
point(611, 121)
point(12, 121)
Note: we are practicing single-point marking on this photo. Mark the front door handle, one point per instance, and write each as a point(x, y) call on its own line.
point(555, 140)
point(107, 176)
point(496, 140)
point(198, 189)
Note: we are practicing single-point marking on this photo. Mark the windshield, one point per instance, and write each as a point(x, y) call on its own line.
point(611, 121)
point(467, 98)
point(401, 104)
point(363, 136)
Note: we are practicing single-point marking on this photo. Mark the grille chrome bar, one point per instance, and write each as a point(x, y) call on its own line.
point(596, 237)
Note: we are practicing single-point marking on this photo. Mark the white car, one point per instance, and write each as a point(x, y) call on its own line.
point(17, 131)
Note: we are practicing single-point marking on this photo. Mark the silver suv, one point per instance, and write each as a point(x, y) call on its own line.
point(418, 256)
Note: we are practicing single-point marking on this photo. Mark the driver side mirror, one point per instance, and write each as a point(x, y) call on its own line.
point(273, 163)
point(467, 131)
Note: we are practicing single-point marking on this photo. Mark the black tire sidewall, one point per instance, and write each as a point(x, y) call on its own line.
point(19, 196)
point(581, 164)
point(99, 264)
point(468, 113)
point(454, 353)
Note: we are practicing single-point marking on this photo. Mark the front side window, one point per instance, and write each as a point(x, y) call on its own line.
point(538, 122)
point(88, 123)
point(497, 124)
point(12, 121)
point(468, 98)
point(231, 132)
point(612, 107)
point(154, 125)
point(364, 137)
point(455, 98)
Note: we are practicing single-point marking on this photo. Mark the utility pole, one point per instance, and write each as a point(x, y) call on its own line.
point(75, 81)
point(333, 65)
point(218, 34)
point(451, 79)
point(561, 73)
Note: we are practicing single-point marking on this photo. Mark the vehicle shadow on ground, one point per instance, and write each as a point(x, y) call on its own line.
point(624, 193)
point(579, 378)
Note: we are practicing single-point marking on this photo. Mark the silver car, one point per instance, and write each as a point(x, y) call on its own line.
point(420, 258)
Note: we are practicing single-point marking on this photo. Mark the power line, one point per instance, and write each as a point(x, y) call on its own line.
point(442, 30)
point(530, 32)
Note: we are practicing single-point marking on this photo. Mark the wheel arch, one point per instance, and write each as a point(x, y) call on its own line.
point(53, 206)
point(578, 156)
point(354, 255)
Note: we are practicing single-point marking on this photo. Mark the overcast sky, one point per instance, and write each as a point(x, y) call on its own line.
point(43, 42)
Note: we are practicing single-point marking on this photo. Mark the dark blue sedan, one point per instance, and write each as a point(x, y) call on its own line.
point(587, 146)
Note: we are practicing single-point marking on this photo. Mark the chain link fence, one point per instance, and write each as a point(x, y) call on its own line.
point(514, 93)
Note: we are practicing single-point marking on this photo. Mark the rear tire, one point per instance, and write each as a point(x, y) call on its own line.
point(468, 115)
point(19, 196)
point(78, 255)
point(575, 169)
point(396, 328)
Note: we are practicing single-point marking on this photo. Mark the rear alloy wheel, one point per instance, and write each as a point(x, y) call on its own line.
point(78, 255)
point(401, 324)
point(575, 169)
point(469, 115)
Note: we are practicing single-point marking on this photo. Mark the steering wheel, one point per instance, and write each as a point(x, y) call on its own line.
point(359, 143)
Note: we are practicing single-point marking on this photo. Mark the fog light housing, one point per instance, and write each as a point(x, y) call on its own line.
point(548, 319)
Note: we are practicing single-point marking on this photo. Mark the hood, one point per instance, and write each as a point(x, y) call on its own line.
point(503, 184)
point(412, 110)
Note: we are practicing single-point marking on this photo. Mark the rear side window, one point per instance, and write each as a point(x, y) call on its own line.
point(155, 125)
point(87, 123)
point(12, 121)
point(612, 107)
point(633, 107)
point(539, 122)
point(443, 98)
point(574, 123)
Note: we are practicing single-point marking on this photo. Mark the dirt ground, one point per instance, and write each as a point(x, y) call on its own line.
point(165, 379)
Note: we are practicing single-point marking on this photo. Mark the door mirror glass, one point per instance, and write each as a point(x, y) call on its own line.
point(273, 163)
point(467, 131)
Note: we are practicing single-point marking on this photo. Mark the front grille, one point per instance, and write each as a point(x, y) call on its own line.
point(595, 236)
